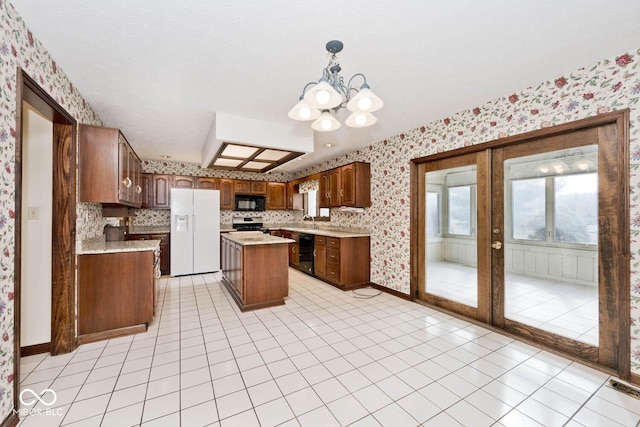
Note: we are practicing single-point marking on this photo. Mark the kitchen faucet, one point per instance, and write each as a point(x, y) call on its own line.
point(314, 226)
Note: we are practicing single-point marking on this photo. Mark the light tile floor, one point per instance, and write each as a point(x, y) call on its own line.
point(566, 309)
point(326, 358)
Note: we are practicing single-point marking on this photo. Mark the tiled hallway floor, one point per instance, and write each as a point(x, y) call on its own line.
point(566, 309)
point(326, 358)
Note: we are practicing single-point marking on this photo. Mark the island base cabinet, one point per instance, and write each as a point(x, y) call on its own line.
point(115, 294)
point(257, 276)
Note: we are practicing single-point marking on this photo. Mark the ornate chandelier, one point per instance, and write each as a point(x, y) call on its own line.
point(330, 93)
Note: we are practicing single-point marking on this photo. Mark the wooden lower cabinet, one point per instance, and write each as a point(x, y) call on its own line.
point(115, 292)
point(294, 248)
point(165, 248)
point(342, 261)
point(257, 276)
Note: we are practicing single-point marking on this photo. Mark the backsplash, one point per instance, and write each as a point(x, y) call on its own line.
point(162, 217)
point(194, 169)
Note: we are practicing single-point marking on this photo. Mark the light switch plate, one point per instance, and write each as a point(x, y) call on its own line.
point(33, 212)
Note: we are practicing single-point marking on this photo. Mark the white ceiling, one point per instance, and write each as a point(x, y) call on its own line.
point(161, 69)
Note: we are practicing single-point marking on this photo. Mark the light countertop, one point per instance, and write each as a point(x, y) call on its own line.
point(246, 238)
point(321, 232)
point(99, 246)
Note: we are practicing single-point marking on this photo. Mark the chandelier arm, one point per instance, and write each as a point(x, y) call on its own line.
point(304, 90)
point(364, 84)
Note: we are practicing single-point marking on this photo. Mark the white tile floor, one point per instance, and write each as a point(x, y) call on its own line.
point(324, 359)
point(566, 309)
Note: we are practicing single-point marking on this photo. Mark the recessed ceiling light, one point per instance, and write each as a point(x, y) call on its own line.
point(164, 156)
point(329, 145)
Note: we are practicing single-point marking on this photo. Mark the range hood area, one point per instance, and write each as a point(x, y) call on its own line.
point(250, 145)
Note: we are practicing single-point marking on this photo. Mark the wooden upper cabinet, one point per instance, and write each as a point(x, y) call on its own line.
point(161, 191)
point(146, 194)
point(276, 195)
point(242, 186)
point(335, 187)
point(349, 185)
point(107, 167)
point(355, 185)
point(227, 194)
point(258, 187)
point(323, 190)
point(206, 183)
point(183, 182)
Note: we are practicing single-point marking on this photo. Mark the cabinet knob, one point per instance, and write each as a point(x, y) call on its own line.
point(341, 193)
point(138, 189)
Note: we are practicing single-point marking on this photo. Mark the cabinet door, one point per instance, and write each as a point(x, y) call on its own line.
point(323, 190)
point(258, 187)
point(131, 174)
point(138, 180)
point(289, 196)
point(348, 190)
point(183, 182)
point(145, 184)
point(205, 183)
point(335, 186)
point(161, 191)
point(242, 186)
point(276, 196)
point(320, 256)
point(227, 194)
point(165, 254)
point(123, 169)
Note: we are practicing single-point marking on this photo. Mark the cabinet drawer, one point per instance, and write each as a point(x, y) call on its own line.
point(319, 240)
point(333, 273)
point(333, 242)
point(333, 256)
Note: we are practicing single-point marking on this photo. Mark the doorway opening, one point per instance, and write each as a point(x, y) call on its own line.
point(62, 238)
point(530, 234)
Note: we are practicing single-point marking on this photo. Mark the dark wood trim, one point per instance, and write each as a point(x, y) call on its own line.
point(11, 420)
point(497, 223)
point(113, 333)
point(484, 236)
point(391, 291)
point(565, 345)
point(595, 121)
point(30, 350)
point(417, 252)
point(63, 236)
point(635, 379)
point(63, 250)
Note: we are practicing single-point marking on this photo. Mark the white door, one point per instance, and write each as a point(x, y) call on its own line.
point(206, 236)
point(181, 231)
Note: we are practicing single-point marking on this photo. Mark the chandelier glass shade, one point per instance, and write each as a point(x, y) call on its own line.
point(322, 99)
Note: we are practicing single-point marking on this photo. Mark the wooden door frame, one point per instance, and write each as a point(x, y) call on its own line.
point(620, 246)
point(63, 238)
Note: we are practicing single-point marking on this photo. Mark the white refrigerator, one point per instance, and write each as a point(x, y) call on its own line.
point(195, 231)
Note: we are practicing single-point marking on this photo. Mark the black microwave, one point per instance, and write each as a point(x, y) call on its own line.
point(248, 203)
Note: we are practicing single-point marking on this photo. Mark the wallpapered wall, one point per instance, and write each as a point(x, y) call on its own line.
point(18, 48)
point(611, 84)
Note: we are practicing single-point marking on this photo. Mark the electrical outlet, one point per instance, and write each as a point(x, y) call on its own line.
point(33, 212)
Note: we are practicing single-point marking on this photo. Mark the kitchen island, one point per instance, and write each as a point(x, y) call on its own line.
point(255, 268)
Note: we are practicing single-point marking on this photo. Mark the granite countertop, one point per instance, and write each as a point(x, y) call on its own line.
point(99, 246)
point(150, 229)
point(341, 233)
point(246, 238)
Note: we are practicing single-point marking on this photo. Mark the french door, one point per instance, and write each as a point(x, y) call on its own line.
point(530, 235)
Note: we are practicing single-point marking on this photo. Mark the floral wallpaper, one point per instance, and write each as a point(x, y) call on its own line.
point(609, 85)
point(19, 48)
point(194, 169)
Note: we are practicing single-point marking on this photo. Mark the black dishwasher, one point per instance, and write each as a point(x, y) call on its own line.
point(306, 253)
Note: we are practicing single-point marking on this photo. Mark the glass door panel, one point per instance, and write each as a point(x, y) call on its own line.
point(551, 242)
point(450, 233)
